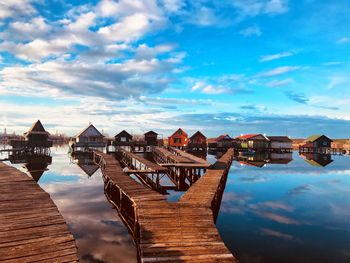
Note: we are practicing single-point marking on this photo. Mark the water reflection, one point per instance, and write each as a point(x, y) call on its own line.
point(288, 212)
point(275, 208)
point(34, 163)
point(263, 158)
point(317, 159)
point(84, 161)
point(99, 232)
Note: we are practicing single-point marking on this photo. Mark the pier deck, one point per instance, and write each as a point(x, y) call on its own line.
point(31, 227)
point(195, 159)
point(163, 231)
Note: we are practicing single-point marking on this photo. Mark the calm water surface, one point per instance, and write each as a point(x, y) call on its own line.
point(270, 213)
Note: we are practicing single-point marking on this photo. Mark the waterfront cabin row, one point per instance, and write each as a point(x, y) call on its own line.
point(253, 142)
point(126, 139)
point(179, 139)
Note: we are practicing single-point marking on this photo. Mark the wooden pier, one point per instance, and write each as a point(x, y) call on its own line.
point(182, 231)
point(31, 227)
point(184, 168)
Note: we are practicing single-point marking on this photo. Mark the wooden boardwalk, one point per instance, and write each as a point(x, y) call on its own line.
point(167, 232)
point(31, 227)
point(189, 156)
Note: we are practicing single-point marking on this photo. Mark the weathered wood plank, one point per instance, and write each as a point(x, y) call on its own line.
point(31, 227)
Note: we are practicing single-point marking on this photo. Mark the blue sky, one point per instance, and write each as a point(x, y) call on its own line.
point(244, 66)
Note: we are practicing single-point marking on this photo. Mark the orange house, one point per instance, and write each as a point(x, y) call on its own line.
point(179, 139)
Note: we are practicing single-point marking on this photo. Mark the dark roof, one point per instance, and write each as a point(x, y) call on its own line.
point(125, 133)
point(179, 129)
point(37, 128)
point(315, 137)
point(151, 132)
point(279, 138)
point(88, 127)
point(223, 137)
point(198, 133)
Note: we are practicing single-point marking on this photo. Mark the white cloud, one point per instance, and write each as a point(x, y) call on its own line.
point(277, 56)
point(343, 40)
point(204, 17)
point(24, 31)
point(336, 81)
point(278, 71)
point(15, 8)
point(173, 5)
point(128, 29)
point(208, 88)
point(259, 7)
point(251, 31)
point(279, 83)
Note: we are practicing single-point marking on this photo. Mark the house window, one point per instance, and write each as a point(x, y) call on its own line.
point(177, 140)
point(123, 139)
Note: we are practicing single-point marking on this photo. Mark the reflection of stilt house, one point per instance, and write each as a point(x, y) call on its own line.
point(317, 144)
point(35, 164)
point(281, 158)
point(85, 162)
point(197, 142)
point(317, 159)
point(36, 139)
point(257, 159)
point(90, 137)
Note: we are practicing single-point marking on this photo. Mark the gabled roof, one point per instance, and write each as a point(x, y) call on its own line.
point(151, 132)
point(318, 163)
point(250, 136)
point(246, 136)
point(90, 131)
point(223, 137)
point(279, 138)
point(89, 169)
point(315, 137)
point(198, 133)
point(179, 129)
point(36, 128)
point(123, 133)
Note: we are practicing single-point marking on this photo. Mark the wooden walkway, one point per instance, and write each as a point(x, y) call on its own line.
point(195, 159)
point(165, 232)
point(137, 161)
point(31, 227)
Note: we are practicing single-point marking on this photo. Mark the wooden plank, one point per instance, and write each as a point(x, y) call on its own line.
point(174, 232)
point(31, 229)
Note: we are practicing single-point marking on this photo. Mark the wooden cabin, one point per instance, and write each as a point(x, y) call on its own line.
point(37, 136)
point(178, 139)
point(317, 144)
point(280, 144)
point(224, 141)
point(197, 141)
point(151, 138)
point(123, 138)
point(256, 142)
point(89, 137)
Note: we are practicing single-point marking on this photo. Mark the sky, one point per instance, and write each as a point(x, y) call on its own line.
point(279, 67)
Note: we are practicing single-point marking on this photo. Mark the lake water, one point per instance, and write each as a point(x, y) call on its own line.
point(292, 211)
